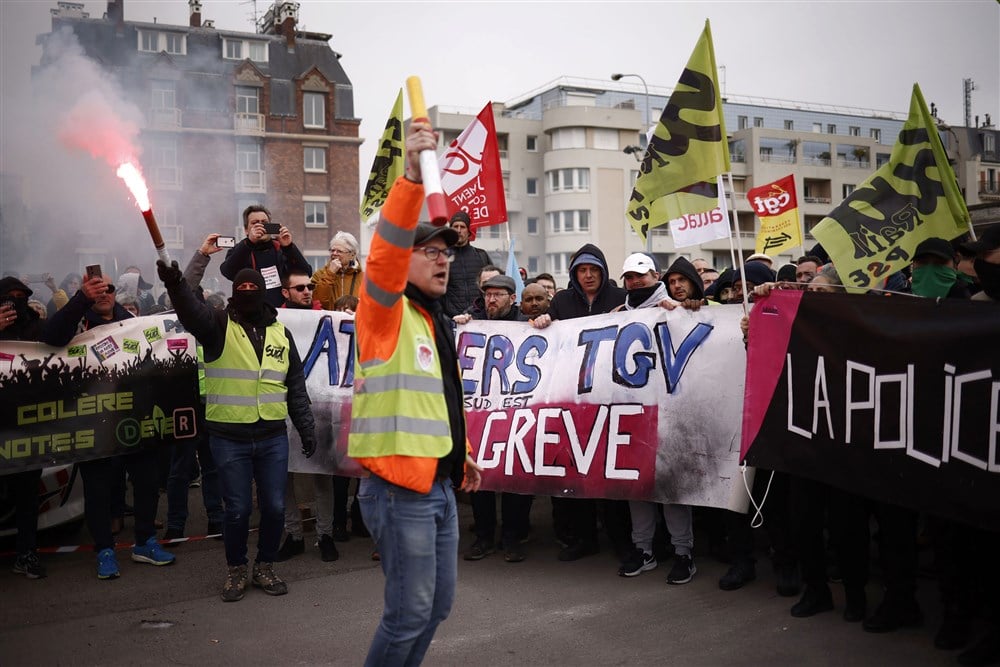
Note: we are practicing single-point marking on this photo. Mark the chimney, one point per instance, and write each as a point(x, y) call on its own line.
point(287, 17)
point(116, 14)
point(195, 7)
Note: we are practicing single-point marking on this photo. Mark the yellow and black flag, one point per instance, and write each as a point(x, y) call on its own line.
point(688, 148)
point(914, 196)
point(388, 165)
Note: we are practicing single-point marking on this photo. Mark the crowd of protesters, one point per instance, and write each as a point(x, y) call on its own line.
point(817, 534)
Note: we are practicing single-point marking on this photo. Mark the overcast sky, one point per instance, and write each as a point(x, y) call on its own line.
point(861, 54)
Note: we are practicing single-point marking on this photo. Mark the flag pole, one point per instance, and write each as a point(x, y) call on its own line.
point(739, 245)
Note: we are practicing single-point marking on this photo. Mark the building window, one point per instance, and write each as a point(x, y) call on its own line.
point(532, 266)
point(568, 180)
point(163, 163)
point(152, 41)
point(531, 187)
point(314, 158)
point(817, 127)
point(489, 232)
point(258, 52)
point(831, 129)
point(568, 221)
point(531, 144)
point(558, 262)
point(247, 100)
point(789, 125)
point(758, 121)
point(569, 137)
point(742, 122)
point(249, 175)
point(164, 95)
point(148, 41)
point(989, 142)
point(847, 190)
point(174, 43)
point(854, 131)
point(314, 109)
point(238, 49)
point(233, 49)
point(606, 139)
point(533, 226)
point(315, 213)
point(875, 133)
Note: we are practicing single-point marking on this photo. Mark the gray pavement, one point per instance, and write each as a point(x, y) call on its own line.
point(538, 612)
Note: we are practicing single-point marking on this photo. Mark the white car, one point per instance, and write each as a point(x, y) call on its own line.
point(60, 499)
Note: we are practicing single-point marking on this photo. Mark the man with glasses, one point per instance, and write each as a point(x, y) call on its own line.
point(407, 418)
point(298, 290)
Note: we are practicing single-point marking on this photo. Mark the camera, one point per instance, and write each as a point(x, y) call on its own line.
point(272, 228)
point(225, 242)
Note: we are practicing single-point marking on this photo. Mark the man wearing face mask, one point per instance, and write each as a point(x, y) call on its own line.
point(253, 380)
point(934, 273)
point(986, 264)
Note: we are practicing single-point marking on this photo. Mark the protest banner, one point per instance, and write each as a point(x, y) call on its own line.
point(907, 413)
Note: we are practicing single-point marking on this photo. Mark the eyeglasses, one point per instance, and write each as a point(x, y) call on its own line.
point(432, 253)
point(299, 288)
point(495, 296)
point(341, 251)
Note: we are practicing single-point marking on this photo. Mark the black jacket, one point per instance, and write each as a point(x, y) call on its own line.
point(572, 302)
point(209, 327)
point(463, 279)
point(682, 266)
point(257, 256)
point(75, 317)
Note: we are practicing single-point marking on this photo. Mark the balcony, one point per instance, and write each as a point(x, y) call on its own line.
point(816, 200)
point(249, 123)
point(815, 160)
point(989, 192)
point(166, 178)
point(250, 181)
point(167, 119)
point(777, 159)
point(854, 164)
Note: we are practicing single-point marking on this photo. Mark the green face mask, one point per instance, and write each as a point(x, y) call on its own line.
point(933, 280)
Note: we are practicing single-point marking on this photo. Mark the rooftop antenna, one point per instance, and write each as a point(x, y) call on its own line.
point(968, 85)
point(256, 18)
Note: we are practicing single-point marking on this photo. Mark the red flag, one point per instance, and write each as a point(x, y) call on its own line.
point(470, 174)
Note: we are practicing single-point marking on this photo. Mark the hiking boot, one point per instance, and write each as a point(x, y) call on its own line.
point(480, 549)
point(151, 552)
point(682, 572)
point(327, 549)
point(293, 546)
point(739, 574)
point(638, 562)
point(107, 564)
point(265, 579)
point(28, 564)
point(236, 584)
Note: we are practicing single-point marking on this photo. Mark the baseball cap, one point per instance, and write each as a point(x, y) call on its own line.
point(427, 231)
point(638, 262)
point(759, 256)
point(988, 240)
point(936, 247)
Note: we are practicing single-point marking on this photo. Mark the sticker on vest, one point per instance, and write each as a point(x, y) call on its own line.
point(271, 277)
point(425, 353)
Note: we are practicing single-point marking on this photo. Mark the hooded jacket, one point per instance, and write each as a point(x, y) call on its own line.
point(573, 302)
point(682, 266)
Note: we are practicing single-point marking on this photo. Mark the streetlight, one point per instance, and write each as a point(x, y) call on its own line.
point(618, 76)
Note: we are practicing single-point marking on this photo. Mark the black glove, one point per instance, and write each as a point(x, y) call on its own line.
point(308, 446)
point(170, 275)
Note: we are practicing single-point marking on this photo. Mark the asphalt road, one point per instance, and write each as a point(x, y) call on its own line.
point(538, 612)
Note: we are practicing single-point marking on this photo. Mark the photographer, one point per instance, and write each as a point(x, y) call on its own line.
point(267, 249)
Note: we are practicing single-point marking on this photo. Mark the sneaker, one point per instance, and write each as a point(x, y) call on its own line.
point(291, 547)
point(340, 534)
point(195, 483)
point(578, 550)
point(739, 574)
point(480, 549)
point(151, 552)
point(265, 579)
point(107, 564)
point(236, 584)
point(513, 553)
point(327, 549)
point(683, 570)
point(638, 562)
point(29, 565)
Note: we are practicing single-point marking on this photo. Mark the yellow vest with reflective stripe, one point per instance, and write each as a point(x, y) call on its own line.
point(399, 406)
point(240, 389)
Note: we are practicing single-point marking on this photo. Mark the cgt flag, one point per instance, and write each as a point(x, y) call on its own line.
point(688, 148)
point(471, 176)
point(778, 209)
point(914, 196)
point(388, 164)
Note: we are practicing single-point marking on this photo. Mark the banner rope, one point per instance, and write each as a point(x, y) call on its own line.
point(758, 515)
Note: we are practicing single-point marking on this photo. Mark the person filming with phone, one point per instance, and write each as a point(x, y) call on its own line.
point(267, 249)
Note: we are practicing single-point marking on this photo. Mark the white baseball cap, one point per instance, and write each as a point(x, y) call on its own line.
point(637, 262)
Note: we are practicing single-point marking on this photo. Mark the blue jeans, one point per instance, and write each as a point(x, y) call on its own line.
point(416, 536)
point(239, 464)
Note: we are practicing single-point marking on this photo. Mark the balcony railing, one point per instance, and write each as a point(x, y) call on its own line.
point(816, 200)
point(250, 181)
point(812, 159)
point(856, 164)
point(248, 123)
point(777, 159)
point(165, 118)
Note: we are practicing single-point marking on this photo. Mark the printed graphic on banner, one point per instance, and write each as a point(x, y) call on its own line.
point(912, 197)
point(471, 176)
point(912, 407)
point(697, 228)
point(777, 207)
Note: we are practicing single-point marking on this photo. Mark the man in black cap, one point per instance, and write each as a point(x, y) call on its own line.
point(934, 273)
point(253, 380)
point(987, 263)
point(468, 260)
point(19, 322)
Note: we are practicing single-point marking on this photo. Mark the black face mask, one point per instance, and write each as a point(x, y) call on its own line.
point(21, 306)
point(248, 303)
point(989, 277)
point(638, 296)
